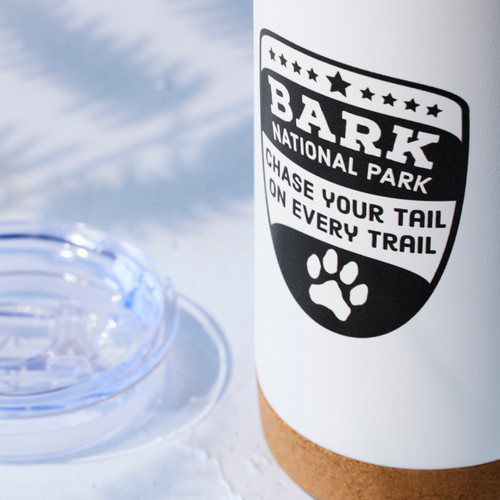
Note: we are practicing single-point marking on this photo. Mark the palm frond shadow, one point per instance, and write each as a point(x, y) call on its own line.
point(113, 80)
point(116, 85)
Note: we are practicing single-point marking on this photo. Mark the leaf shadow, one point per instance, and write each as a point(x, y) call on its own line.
point(116, 85)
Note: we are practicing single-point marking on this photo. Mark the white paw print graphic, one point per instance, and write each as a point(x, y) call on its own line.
point(329, 293)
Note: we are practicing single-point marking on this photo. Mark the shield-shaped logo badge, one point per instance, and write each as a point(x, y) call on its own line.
point(364, 180)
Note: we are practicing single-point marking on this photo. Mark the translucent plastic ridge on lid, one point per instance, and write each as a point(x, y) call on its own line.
point(84, 321)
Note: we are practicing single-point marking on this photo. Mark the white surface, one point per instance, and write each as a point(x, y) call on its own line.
point(137, 118)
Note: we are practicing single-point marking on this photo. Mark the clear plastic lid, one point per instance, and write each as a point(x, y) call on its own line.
point(84, 321)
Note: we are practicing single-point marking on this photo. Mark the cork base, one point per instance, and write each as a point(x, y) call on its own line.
point(328, 476)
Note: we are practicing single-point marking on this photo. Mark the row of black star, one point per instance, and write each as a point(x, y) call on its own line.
point(411, 105)
point(337, 84)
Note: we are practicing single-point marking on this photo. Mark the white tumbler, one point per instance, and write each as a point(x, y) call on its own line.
point(377, 181)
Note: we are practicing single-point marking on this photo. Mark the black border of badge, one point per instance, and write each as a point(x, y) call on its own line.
point(465, 144)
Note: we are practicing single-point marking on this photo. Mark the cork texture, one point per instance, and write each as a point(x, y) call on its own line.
point(328, 476)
